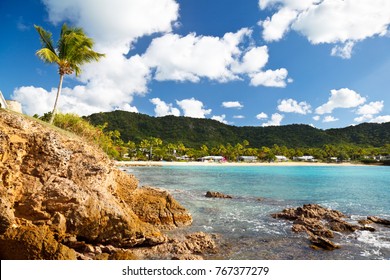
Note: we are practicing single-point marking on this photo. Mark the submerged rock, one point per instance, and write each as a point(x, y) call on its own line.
point(318, 222)
point(217, 195)
point(56, 189)
point(378, 220)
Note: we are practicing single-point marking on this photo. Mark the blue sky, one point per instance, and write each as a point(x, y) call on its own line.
point(324, 63)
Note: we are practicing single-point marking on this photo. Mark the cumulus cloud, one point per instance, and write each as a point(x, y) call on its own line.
point(232, 104)
point(342, 98)
point(275, 120)
point(222, 59)
point(116, 23)
point(164, 109)
point(193, 108)
point(329, 119)
point(328, 21)
point(221, 119)
point(292, 106)
point(344, 51)
point(238, 117)
point(367, 111)
point(371, 108)
point(381, 119)
point(316, 118)
point(276, 26)
point(262, 116)
point(270, 78)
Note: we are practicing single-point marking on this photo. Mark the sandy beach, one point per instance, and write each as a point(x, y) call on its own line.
point(198, 163)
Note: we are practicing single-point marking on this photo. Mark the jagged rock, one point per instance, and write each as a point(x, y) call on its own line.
point(68, 188)
point(378, 220)
point(318, 222)
point(323, 243)
point(30, 242)
point(159, 208)
point(217, 195)
point(190, 247)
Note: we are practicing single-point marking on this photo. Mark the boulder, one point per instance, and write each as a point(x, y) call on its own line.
point(217, 195)
point(378, 220)
point(159, 208)
point(55, 184)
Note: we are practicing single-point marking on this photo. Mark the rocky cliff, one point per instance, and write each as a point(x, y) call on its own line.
point(59, 194)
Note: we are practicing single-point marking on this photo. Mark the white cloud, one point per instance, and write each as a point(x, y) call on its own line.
point(193, 108)
point(328, 21)
point(262, 116)
point(292, 106)
point(192, 57)
point(342, 98)
point(270, 78)
point(253, 60)
point(276, 26)
point(164, 109)
point(371, 108)
point(232, 104)
point(275, 120)
point(79, 100)
point(381, 119)
point(329, 119)
point(239, 117)
point(116, 23)
point(316, 118)
point(344, 51)
point(221, 119)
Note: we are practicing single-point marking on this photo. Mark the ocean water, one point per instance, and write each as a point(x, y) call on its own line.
point(244, 224)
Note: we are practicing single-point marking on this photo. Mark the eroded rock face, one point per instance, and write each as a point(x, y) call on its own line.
point(159, 208)
point(60, 185)
point(319, 223)
point(217, 195)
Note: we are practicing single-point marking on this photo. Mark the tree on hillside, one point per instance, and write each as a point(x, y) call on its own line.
point(73, 49)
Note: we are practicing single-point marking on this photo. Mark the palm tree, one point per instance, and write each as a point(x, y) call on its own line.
point(73, 49)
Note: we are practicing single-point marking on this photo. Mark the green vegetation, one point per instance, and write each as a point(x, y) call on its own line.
point(73, 49)
point(194, 133)
point(152, 147)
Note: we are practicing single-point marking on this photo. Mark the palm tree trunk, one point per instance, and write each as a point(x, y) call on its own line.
point(55, 103)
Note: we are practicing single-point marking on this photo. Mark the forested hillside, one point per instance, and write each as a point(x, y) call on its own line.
point(196, 132)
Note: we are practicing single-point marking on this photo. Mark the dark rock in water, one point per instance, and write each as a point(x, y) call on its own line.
point(323, 243)
point(318, 222)
point(217, 195)
point(378, 220)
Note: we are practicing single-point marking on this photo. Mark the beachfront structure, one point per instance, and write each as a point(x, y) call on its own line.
point(213, 159)
point(281, 158)
point(10, 104)
point(305, 158)
point(247, 158)
point(3, 102)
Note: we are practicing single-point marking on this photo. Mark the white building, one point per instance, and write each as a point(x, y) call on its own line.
point(213, 159)
point(305, 158)
point(3, 102)
point(10, 104)
point(281, 158)
point(247, 158)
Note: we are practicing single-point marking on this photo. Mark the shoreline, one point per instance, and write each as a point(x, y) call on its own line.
point(231, 164)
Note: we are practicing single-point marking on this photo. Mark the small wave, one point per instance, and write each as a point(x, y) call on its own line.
point(374, 239)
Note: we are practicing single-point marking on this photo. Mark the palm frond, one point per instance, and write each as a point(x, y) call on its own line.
point(46, 38)
point(47, 55)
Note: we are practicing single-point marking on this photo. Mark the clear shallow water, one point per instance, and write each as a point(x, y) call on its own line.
point(248, 230)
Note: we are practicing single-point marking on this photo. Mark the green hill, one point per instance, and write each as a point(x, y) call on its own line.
point(196, 132)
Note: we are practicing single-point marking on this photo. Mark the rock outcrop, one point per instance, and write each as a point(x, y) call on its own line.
point(217, 195)
point(319, 223)
point(54, 187)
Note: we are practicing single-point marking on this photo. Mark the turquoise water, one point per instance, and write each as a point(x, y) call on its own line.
point(244, 223)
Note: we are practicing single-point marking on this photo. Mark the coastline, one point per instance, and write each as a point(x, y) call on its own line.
point(231, 164)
